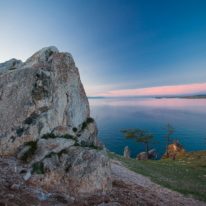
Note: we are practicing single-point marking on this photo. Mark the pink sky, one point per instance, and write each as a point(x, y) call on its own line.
point(161, 90)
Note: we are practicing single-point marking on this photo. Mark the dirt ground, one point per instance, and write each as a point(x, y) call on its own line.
point(129, 189)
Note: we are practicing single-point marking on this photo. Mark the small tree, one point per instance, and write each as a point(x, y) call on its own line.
point(140, 136)
point(168, 136)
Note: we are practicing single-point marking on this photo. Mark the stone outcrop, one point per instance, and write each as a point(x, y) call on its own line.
point(77, 170)
point(142, 156)
point(45, 122)
point(44, 95)
point(174, 150)
point(10, 65)
point(152, 154)
point(126, 152)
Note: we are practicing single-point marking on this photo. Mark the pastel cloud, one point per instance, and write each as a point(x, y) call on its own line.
point(160, 90)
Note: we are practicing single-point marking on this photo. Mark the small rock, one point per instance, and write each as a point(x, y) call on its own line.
point(27, 175)
point(126, 152)
point(152, 154)
point(42, 196)
point(142, 156)
point(15, 186)
point(47, 146)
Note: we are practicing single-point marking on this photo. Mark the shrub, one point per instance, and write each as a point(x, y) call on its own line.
point(20, 131)
point(50, 155)
point(90, 120)
point(31, 119)
point(64, 151)
point(49, 136)
point(84, 125)
point(94, 146)
point(38, 168)
point(76, 144)
point(74, 129)
point(32, 148)
point(91, 145)
point(67, 136)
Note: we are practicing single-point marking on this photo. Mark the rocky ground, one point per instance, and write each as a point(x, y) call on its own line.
point(129, 189)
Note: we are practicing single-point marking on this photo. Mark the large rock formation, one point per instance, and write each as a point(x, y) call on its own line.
point(45, 122)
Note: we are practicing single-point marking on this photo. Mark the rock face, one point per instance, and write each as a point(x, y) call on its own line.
point(45, 122)
point(10, 65)
point(78, 170)
point(42, 96)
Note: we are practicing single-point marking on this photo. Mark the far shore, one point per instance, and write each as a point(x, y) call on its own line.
point(183, 97)
point(201, 96)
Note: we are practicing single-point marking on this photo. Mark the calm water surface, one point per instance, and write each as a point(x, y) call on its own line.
point(187, 116)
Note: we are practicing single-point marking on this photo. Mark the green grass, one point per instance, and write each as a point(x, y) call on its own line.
point(186, 175)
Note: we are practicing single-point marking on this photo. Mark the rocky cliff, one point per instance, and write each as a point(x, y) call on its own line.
point(45, 123)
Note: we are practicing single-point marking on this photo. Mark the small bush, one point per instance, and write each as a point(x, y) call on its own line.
point(67, 136)
point(53, 136)
point(50, 53)
point(20, 131)
point(84, 125)
point(38, 168)
point(12, 68)
point(31, 119)
point(50, 155)
point(49, 136)
point(92, 146)
point(28, 154)
point(76, 144)
point(90, 120)
point(68, 168)
point(74, 129)
point(64, 151)
point(84, 144)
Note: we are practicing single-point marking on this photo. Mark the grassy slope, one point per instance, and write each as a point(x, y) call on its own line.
point(186, 175)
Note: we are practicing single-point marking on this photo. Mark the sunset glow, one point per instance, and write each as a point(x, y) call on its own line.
point(186, 89)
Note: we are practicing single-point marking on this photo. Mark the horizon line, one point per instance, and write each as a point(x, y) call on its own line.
point(169, 90)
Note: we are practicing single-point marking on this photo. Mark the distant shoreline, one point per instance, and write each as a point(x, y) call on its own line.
point(183, 97)
point(201, 96)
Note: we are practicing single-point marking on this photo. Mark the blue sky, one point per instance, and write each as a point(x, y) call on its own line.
point(116, 44)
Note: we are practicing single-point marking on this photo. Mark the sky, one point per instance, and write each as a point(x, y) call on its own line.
point(121, 47)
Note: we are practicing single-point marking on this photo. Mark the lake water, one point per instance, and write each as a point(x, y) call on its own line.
point(187, 116)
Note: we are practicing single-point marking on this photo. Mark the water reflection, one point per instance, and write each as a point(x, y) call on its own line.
point(188, 116)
